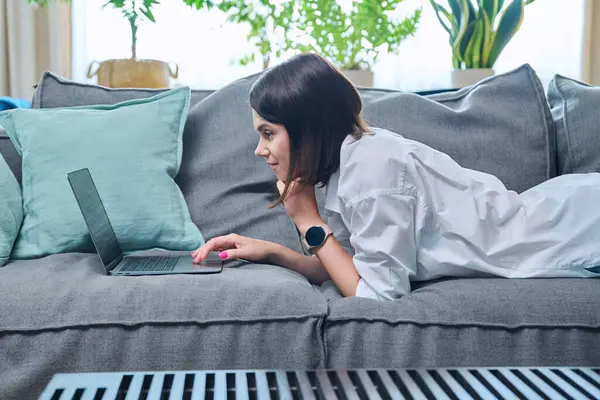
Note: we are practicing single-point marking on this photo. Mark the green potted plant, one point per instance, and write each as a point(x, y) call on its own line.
point(352, 39)
point(478, 31)
point(134, 72)
point(265, 18)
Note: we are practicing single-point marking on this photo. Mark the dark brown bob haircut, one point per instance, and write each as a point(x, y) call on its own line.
point(318, 106)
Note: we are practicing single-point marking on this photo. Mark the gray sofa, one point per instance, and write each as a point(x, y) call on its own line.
point(61, 313)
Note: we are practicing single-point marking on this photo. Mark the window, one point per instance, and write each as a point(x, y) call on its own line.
point(206, 47)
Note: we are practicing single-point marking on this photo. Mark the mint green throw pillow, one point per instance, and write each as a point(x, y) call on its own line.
point(11, 211)
point(133, 151)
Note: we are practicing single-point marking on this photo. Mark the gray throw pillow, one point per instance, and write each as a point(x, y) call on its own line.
point(575, 106)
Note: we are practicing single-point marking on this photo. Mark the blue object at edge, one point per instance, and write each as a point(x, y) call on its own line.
point(8, 103)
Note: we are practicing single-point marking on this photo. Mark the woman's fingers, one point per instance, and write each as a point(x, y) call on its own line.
point(232, 253)
point(214, 244)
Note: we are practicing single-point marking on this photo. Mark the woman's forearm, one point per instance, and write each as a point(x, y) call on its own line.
point(336, 261)
point(339, 265)
point(309, 266)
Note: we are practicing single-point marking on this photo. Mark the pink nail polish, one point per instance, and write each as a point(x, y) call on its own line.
point(223, 255)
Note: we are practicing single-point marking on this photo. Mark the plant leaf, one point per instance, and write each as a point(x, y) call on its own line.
point(490, 7)
point(500, 5)
point(472, 12)
point(148, 14)
point(441, 11)
point(468, 45)
point(200, 4)
point(477, 42)
point(467, 37)
point(487, 37)
point(456, 10)
point(510, 22)
point(461, 41)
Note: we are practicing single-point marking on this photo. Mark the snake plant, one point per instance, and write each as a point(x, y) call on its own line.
point(479, 29)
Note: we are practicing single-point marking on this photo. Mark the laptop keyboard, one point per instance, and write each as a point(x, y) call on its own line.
point(149, 264)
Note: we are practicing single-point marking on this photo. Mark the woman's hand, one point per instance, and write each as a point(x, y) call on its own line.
point(300, 203)
point(235, 246)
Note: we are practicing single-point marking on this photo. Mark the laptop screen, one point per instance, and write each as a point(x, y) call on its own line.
point(95, 216)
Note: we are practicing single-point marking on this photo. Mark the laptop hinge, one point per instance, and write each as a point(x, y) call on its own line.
point(114, 263)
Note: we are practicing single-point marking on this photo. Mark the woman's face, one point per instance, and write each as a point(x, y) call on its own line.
point(273, 145)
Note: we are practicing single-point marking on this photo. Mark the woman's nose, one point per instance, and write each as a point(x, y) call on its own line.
point(261, 151)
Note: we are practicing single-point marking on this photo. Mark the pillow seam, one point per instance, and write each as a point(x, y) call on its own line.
point(457, 96)
point(567, 130)
point(544, 123)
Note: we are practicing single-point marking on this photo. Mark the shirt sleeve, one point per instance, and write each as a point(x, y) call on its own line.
point(382, 233)
point(335, 222)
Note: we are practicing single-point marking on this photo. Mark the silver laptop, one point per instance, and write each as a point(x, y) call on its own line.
point(107, 246)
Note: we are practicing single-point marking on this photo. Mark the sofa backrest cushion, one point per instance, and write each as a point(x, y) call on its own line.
point(227, 187)
point(55, 91)
point(575, 106)
point(501, 125)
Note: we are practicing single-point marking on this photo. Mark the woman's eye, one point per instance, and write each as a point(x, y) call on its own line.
point(268, 134)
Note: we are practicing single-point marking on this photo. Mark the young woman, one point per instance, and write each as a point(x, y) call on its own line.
point(397, 210)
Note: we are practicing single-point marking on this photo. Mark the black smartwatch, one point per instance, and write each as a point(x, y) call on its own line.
point(315, 236)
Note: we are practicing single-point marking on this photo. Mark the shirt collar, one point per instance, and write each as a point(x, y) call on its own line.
point(331, 189)
point(331, 198)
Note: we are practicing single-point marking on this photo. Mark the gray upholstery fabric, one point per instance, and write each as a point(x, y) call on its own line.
point(61, 313)
point(8, 151)
point(574, 108)
point(501, 125)
point(469, 322)
point(226, 186)
point(55, 91)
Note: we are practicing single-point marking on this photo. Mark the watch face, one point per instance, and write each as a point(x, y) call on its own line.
point(315, 236)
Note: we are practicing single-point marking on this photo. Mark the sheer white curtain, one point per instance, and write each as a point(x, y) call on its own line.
point(207, 48)
point(32, 40)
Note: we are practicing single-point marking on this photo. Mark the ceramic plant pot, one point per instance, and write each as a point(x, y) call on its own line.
point(470, 76)
point(133, 73)
point(359, 78)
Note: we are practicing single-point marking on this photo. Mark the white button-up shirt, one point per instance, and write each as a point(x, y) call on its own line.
point(407, 212)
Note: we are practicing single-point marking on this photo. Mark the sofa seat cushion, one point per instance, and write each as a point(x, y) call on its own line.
point(469, 322)
point(61, 313)
point(72, 290)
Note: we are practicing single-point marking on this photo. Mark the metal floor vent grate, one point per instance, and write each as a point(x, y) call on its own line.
point(438, 383)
